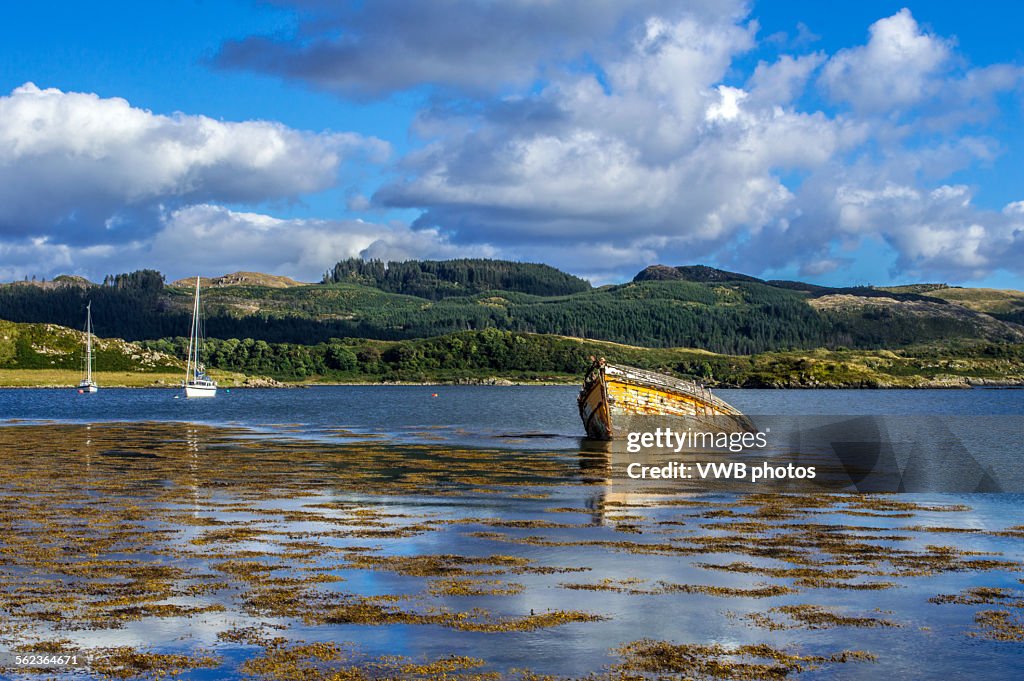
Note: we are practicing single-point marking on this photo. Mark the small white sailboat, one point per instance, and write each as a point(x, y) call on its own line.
point(197, 383)
point(87, 384)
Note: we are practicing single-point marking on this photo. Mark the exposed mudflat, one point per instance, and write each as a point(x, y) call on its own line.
point(154, 548)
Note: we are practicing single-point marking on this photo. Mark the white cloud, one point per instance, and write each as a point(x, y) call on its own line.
point(39, 257)
point(218, 239)
point(815, 268)
point(664, 152)
point(727, 108)
point(78, 166)
point(938, 231)
point(212, 240)
point(783, 81)
point(664, 155)
point(614, 135)
point(898, 67)
point(1014, 208)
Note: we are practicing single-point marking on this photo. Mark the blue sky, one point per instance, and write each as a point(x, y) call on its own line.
point(863, 142)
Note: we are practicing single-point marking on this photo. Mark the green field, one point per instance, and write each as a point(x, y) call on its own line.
point(60, 378)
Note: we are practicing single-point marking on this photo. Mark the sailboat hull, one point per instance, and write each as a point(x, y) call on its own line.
point(197, 383)
point(87, 385)
point(200, 391)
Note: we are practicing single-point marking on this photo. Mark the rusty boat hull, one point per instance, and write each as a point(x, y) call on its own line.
point(616, 400)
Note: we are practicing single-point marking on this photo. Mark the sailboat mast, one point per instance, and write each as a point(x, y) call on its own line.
point(191, 338)
point(88, 342)
point(195, 324)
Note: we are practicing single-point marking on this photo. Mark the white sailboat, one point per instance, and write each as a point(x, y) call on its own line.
point(87, 384)
point(197, 383)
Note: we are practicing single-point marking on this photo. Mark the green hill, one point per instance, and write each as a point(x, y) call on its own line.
point(700, 273)
point(692, 306)
point(52, 355)
point(49, 346)
point(436, 279)
point(1003, 304)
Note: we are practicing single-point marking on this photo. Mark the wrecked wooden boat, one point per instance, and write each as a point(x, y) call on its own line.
point(616, 400)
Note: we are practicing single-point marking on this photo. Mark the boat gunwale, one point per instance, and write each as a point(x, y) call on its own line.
point(669, 384)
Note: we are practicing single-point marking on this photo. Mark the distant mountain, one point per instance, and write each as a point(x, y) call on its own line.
point(699, 273)
point(57, 282)
point(239, 279)
point(709, 275)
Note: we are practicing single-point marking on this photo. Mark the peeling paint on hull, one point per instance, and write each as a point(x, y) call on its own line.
point(616, 400)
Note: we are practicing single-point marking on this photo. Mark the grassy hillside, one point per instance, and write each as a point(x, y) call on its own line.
point(51, 355)
point(53, 347)
point(1002, 304)
point(240, 279)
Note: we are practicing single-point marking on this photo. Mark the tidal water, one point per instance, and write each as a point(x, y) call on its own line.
point(432, 521)
point(464, 415)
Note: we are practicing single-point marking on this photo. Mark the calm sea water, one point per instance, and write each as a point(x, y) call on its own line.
point(464, 415)
point(953, 440)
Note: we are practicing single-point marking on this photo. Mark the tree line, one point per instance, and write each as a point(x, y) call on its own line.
point(492, 352)
point(463, 354)
point(436, 279)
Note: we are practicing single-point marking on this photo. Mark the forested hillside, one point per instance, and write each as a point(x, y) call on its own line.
point(436, 279)
point(697, 307)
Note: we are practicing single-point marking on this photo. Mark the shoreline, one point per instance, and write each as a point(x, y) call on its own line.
point(967, 384)
point(64, 379)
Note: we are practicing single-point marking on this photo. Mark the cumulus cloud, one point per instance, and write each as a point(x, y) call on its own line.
point(663, 153)
point(38, 256)
point(935, 230)
point(210, 240)
point(596, 135)
point(783, 81)
point(666, 153)
point(902, 67)
point(222, 239)
point(76, 166)
point(375, 48)
point(899, 66)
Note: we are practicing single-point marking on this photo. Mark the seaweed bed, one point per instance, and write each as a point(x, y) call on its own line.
point(265, 541)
